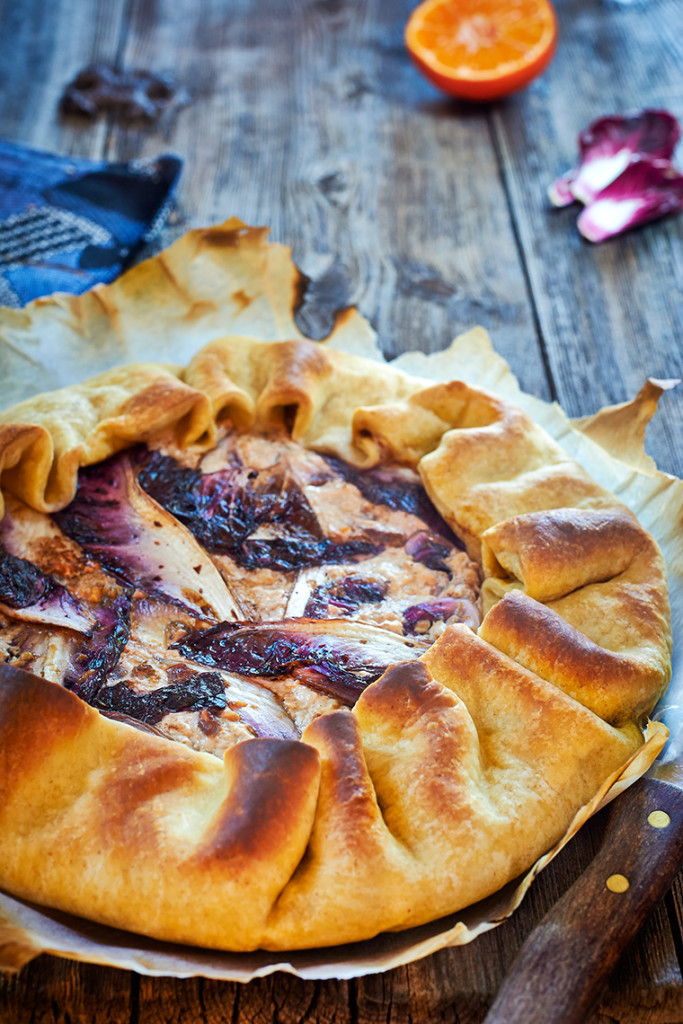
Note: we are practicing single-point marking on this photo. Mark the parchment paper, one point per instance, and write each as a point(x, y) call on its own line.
point(230, 280)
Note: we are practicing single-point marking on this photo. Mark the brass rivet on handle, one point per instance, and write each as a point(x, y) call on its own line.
point(659, 819)
point(617, 883)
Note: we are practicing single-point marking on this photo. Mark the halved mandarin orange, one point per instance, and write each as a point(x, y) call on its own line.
point(482, 49)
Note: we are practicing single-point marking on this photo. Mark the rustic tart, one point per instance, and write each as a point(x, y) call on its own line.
point(298, 648)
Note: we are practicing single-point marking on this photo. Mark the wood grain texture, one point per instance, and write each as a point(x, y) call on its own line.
point(610, 314)
point(430, 215)
point(43, 48)
point(308, 117)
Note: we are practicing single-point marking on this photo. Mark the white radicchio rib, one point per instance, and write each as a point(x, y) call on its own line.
point(625, 176)
point(114, 520)
point(608, 145)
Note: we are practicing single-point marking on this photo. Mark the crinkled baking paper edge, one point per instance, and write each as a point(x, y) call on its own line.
point(60, 339)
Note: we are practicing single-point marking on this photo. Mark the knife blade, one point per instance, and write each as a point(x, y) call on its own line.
point(566, 961)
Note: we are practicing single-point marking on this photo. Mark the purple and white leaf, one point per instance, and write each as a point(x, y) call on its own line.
point(647, 190)
point(420, 617)
point(198, 690)
point(336, 658)
point(96, 656)
point(120, 525)
point(260, 518)
point(28, 594)
point(606, 148)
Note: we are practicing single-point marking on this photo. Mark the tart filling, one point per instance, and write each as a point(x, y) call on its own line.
point(238, 593)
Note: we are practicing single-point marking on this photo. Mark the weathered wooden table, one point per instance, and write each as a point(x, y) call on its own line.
point(430, 216)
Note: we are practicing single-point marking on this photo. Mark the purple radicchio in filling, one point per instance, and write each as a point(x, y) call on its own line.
point(625, 176)
point(419, 618)
point(96, 656)
point(339, 666)
point(261, 519)
point(29, 593)
point(383, 486)
point(344, 596)
point(429, 550)
point(199, 690)
point(116, 522)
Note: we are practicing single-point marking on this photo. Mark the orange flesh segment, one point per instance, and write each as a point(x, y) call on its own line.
point(469, 38)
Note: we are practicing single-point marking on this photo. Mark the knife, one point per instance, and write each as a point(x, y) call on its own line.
point(565, 962)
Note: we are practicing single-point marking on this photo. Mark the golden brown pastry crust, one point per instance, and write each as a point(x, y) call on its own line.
point(450, 775)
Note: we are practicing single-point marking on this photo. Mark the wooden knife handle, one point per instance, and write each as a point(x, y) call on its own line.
point(562, 967)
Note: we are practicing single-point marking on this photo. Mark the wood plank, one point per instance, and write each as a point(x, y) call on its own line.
point(44, 47)
point(55, 991)
point(610, 314)
point(309, 117)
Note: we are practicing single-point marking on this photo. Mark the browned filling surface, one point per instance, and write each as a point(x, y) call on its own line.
point(242, 592)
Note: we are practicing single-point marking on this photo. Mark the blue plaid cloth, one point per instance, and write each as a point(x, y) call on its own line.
point(67, 223)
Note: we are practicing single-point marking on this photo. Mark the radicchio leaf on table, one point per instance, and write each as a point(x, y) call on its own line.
point(646, 190)
point(608, 145)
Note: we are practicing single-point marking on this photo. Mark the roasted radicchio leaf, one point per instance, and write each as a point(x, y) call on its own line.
point(429, 550)
point(200, 690)
point(625, 175)
point(96, 656)
point(339, 664)
point(28, 593)
point(384, 486)
point(240, 512)
point(113, 519)
point(419, 617)
point(344, 596)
